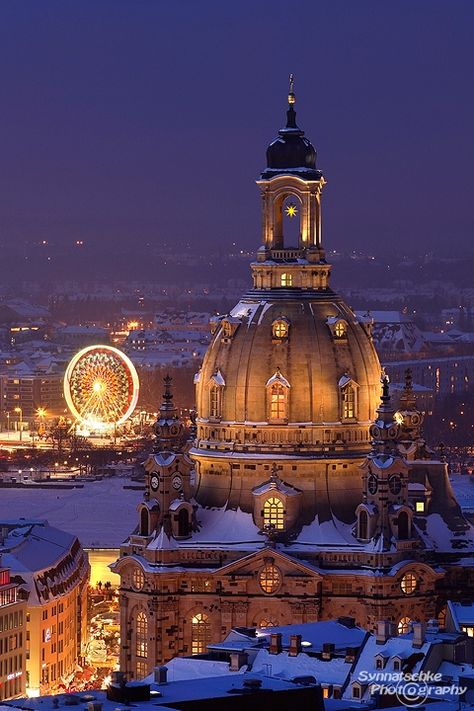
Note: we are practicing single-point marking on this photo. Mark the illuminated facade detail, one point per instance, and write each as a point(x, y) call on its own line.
point(348, 394)
point(280, 329)
point(284, 470)
point(141, 644)
point(267, 622)
point(12, 638)
point(138, 579)
point(286, 279)
point(101, 387)
point(274, 513)
point(340, 329)
point(270, 579)
point(408, 583)
point(291, 210)
point(200, 635)
point(404, 625)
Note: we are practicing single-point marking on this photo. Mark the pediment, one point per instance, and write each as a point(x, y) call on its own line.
point(289, 566)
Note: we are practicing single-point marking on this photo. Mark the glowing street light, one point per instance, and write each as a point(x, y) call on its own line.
point(20, 421)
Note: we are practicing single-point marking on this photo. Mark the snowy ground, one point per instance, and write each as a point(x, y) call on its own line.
point(102, 514)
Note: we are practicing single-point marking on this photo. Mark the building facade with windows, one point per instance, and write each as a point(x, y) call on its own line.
point(51, 572)
point(12, 638)
point(302, 494)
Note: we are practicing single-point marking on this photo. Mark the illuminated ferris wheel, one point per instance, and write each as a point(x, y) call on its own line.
point(101, 387)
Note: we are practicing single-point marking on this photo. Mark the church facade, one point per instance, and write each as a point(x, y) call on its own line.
point(302, 494)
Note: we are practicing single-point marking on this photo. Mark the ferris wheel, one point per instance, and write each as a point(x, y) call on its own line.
point(101, 387)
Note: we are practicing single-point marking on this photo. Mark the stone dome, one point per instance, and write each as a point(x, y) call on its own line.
point(291, 150)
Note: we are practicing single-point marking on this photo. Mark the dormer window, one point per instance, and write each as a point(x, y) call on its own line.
point(280, 329)
point(348, 397)
point(286, 279)
point(226, 329)
point(216, 388)
point(278, 389)
point(274, 513)
point(338, 328)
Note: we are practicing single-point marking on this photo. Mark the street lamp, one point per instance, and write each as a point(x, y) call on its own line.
point(20, 421)
point(41, 412)
point(8, 425)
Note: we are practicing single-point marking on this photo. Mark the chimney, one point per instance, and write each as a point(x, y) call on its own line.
point(295, 645)
point(418, 634)
point(275, 643)
point(328, 651)
point(351, 653)
point(161, 675)
point(237, 660)
point(384, 631)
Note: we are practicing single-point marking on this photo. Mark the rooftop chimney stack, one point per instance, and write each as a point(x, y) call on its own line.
point(275, 643)
point(295, 645)
point(418, 634)
point(384, 631)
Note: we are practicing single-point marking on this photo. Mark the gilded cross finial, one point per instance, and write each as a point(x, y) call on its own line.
point(291, 93)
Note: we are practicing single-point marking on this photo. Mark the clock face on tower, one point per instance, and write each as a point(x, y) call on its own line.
point(154, 482)
point(395, 484)
point(372, 484)
point(176, 482)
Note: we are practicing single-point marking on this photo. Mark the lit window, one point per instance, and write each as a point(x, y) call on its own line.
point(348, 402)
point(142, 670)
point(420, 507)
point(138, 579)
point(286, 279)
point(141, 636)
point(340, 329)
point(404, 625)
point(442, 618)
point(269, 579)
point(468, 630)
point(408, 583)
point(200, 633)
point(274, 513)
point(267, 622)
point(215, 401)
point(278, 402)
point(280, 329)
point(226, 329)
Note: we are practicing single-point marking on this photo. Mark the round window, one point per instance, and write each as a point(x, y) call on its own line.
point(270, 578)
point(138, 579)
point(408, 583)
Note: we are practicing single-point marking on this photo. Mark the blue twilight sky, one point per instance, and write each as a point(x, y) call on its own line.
point(147, 120)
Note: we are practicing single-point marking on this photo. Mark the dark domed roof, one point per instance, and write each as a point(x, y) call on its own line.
point(291, 152)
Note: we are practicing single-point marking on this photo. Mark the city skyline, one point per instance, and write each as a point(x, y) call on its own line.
point(115, 116)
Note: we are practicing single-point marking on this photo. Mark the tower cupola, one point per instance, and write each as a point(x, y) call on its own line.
point(291, 151)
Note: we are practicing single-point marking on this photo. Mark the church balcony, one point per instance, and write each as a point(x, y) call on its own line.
point(286, 255)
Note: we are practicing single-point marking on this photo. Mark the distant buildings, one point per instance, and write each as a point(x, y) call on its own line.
point(51, 572)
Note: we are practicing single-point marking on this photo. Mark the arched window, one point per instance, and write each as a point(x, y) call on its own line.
point(138, 579)
point(144, 522)
point(403, 526)
point(363, 525)
point(270, 578)
point(280, 329)
point(215, 400)
point(267, 622)
point(404, 625)
point(408, 583)
point(286, 279)
point(274, 513)
point(183, 523)
point(348, 397)
point(200, 633)
point(278, 402)
point(340, 329)
point(141, 636)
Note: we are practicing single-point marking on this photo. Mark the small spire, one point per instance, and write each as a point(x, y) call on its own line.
point(385, 380)
point(291, 93)
point(167, 405)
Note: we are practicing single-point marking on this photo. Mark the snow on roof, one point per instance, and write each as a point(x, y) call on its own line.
point(181, 668)
point(226, 526)
point(462, 613)
point(276, 484)
point(277, 377)
point(218, 378)
point(283, 666)
point(318, 633)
